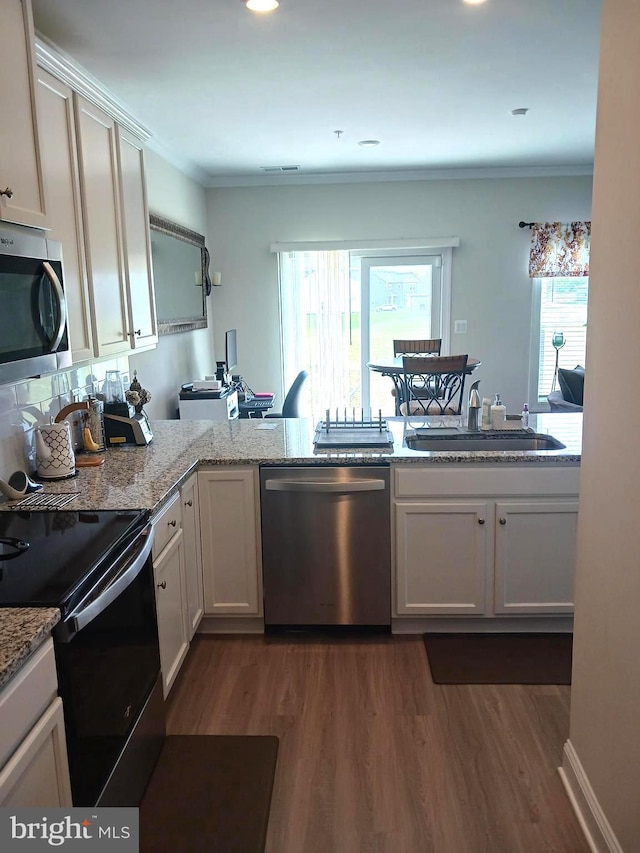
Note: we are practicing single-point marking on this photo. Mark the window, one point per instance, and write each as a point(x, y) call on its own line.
point(560, 306)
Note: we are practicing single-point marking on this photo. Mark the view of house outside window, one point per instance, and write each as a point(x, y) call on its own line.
point(563, 308)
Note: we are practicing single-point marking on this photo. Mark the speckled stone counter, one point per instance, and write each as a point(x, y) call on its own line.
point(144, 477)
point(22, 630)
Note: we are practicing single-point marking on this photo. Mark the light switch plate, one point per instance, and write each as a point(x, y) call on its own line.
point(460, 327)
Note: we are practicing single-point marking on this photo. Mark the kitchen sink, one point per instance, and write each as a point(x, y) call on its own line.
point(465, 442)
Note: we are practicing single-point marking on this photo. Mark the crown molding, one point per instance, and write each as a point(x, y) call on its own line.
point(62, 66)
point(299, 179)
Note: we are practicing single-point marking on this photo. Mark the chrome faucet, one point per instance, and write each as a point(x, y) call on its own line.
point(473, 407)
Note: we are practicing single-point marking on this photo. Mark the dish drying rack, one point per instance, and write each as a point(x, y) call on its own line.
point(352, 432)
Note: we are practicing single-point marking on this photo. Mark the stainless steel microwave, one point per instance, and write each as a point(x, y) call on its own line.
point(34, 335)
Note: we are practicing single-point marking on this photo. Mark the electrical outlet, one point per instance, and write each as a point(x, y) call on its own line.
point(460, 327)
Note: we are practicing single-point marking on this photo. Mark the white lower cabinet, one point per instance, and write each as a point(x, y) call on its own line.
point(231, 555)
point(171, 599)
point(473, 542)
point(535, 556)
point(442, 554)
point(192, 554)
point(34, 770)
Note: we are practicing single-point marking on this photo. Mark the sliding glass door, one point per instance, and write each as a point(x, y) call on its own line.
point(402, 299)
point(340, 310)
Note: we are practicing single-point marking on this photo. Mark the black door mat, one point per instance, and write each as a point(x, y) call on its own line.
point(209, 793)
point(499, 658)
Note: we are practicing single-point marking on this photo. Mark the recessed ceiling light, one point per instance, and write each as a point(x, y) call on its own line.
point(369, 143)
point(473, 2)
point(261, 5)
point(521, 111)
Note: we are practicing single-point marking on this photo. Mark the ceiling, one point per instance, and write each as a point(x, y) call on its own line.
point(226, 92)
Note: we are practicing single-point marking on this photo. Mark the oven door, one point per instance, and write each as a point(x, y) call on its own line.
point(33, 310)
point(108, 664)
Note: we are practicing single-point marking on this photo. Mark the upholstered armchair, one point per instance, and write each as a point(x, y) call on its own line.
point(569, 397)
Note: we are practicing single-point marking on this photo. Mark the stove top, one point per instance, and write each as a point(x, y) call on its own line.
point(46, 555)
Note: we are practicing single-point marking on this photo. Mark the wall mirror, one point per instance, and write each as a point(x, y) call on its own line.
point(180, 275)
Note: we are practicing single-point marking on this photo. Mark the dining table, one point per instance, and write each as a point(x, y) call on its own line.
point(392, 367)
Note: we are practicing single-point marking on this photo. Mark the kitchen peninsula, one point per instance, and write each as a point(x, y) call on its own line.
point(145, 477)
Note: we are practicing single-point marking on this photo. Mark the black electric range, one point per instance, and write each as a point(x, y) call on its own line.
point(96, 567)
point(47, 558)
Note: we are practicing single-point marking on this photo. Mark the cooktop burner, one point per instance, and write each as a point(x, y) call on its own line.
point(45, 555)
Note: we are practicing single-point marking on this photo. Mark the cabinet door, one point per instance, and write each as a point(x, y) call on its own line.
point(60, 161)
point(231, 564)
point(37, 775)
point(170, 605)
point(142, 330)
point(535, 556)
point(21, 175)
point(442, 552)
point(96, 133)
point(192, 554)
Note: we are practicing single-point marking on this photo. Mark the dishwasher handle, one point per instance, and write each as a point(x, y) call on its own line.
point(335, 486)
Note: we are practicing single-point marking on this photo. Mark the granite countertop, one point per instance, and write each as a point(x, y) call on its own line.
point(22, 630)
point(143, 477)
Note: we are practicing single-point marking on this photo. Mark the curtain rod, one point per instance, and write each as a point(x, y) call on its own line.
point(523, 224)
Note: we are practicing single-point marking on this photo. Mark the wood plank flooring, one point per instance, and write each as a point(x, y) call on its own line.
point(374, 757)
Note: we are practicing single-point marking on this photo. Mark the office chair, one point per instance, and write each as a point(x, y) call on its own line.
point(290, 407)
point(433, 385)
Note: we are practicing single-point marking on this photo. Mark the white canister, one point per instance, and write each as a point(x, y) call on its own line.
point(54, 452)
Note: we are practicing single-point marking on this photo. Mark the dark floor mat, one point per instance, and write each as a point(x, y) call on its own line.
point(499, 658)
point(209, 793)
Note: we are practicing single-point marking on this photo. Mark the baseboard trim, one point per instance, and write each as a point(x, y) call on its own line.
point(597, 829)
point(231, 625)
point(481, 624)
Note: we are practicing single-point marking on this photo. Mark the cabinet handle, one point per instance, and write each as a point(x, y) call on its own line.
point(481, 521)
point(135, 332)
point(8, 192)
point(188, 503)
point(503, 521)
point(162, 585)
point(172, 523)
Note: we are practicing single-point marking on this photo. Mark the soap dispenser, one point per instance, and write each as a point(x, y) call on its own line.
point(498, 414)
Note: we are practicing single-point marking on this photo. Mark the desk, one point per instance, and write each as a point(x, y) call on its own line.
point(392, 367)
point(257, 407)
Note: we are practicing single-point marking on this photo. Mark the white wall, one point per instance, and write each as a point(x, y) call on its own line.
point(491, 289)
point(605, 697)
point(188, 355)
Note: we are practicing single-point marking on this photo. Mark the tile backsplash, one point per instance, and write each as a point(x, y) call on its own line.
point(29, 404)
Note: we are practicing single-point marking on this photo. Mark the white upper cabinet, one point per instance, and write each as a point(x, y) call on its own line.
point(99, 181)
point(60, 159)
point(141, 314)
point(22, 185)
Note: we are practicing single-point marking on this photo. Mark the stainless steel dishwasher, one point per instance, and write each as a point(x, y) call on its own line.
point(326, 545)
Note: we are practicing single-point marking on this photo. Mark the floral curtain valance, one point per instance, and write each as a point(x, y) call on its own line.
point(559, 249)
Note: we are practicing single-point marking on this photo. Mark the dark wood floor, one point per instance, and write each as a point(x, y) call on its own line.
point(374, 757)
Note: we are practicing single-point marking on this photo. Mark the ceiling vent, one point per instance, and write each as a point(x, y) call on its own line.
point(280, 168)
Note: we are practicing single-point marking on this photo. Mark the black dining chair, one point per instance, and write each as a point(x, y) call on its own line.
point(428, 346)
point(402, 347)
point(433, 385)
point(291, 405)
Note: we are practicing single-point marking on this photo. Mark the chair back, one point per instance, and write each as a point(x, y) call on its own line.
point(433, 385)
point(290, 407)
point(430, 346)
